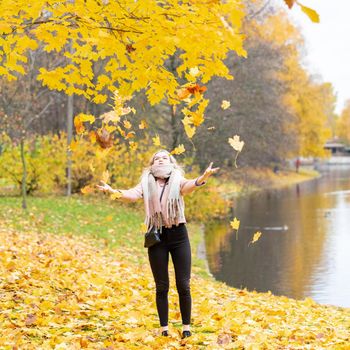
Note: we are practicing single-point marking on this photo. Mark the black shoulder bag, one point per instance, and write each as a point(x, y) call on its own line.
point(152, 236)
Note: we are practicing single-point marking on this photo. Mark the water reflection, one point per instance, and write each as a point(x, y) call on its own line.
point(304, 249)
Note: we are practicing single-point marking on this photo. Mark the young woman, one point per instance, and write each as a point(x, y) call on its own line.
point(165, 175)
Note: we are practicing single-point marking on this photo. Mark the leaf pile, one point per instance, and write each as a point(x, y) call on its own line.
point(67, 292)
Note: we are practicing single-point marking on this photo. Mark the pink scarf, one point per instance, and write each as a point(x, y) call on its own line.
point(171, 195)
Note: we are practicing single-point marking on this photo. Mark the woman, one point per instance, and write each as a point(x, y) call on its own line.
point(167, 211)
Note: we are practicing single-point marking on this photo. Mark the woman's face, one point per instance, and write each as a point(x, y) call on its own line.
point(161, 158)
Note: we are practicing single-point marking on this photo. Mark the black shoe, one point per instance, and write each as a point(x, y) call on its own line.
point(186, 334)
point(165, 333)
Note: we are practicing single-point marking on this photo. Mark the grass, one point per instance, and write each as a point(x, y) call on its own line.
point(114, 224)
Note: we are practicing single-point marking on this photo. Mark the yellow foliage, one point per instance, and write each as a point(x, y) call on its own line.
point(63, 292)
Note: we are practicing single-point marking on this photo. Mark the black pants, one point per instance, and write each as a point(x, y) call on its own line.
point(175, 241)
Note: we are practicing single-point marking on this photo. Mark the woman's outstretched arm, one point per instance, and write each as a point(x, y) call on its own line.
point(131, 195)
point(188, 186)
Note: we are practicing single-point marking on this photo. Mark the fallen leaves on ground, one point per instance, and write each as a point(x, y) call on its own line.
point(67, 292)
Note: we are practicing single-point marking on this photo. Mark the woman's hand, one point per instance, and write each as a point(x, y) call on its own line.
point(105, 187)
point(208, 172)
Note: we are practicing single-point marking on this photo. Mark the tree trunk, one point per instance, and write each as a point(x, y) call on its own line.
point(24, 176)
point(69, 139)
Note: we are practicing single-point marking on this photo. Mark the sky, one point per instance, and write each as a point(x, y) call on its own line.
point(327, 43)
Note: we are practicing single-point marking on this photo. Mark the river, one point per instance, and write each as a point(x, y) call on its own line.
point(304, 249)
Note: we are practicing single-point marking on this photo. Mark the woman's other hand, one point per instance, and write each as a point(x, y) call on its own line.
point(105, 187)
point(207, 173)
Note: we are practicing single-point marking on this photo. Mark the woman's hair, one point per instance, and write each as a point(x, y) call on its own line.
point(172, 160)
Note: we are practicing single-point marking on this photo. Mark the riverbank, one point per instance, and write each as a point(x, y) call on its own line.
point(244, 181)
point(74, 274)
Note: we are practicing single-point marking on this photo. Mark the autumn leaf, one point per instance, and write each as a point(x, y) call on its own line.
point(130, 135)
point(182, 94)
point(193, 89)
point(237, 145)
point(156, 140)
point(104, 138)
point(87, 189)
point(178, 150)
point(105, 176)
point(116, 195)
point(290, 3)
point(194, 71)
point(143, 124)
point(235, 225)
point(312, 14)
point(190, 131)
point(256, 237)
point(79, 127)
point(225, 104)
point(127, 124)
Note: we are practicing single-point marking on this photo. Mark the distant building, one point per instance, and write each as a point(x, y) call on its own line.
point(337, 148)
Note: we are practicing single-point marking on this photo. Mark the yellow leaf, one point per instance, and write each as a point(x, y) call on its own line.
point(87, 189)
point(225, 104)
point(190, 131)
point(116, 195)
point(105, 176)
point(194, 71)
point(312, 14)
point(86, 118)
point(256, 236)
point(73, 145)
point(236, 143)
point(127, 124)
point(235, 224)
point(143, 124)
point(156, 140)
point(178, 150)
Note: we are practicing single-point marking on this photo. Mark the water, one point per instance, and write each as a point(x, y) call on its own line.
point(304, 250)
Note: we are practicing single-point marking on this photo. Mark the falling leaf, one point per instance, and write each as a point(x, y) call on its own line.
point(193, 89)
point(225, 104)
point(127, 124)
point(73, 145)
point(211, 128)
point(190, 131)
point(178, 150)
point(235, 224)
point(110, 116)
point(194, 71)
point(87, 189)
point(156, 140)
point(290, 3)
point(79, 127)
point(130, 135)
point(116, 195)
point(236, 143)
point(105, 176)
point(133, 145)
point(256, 237)
point(312, 14)
point(104, 138)
point(86, 118)
point(143, 124)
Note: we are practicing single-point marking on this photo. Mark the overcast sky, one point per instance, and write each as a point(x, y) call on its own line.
point(328, 43)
